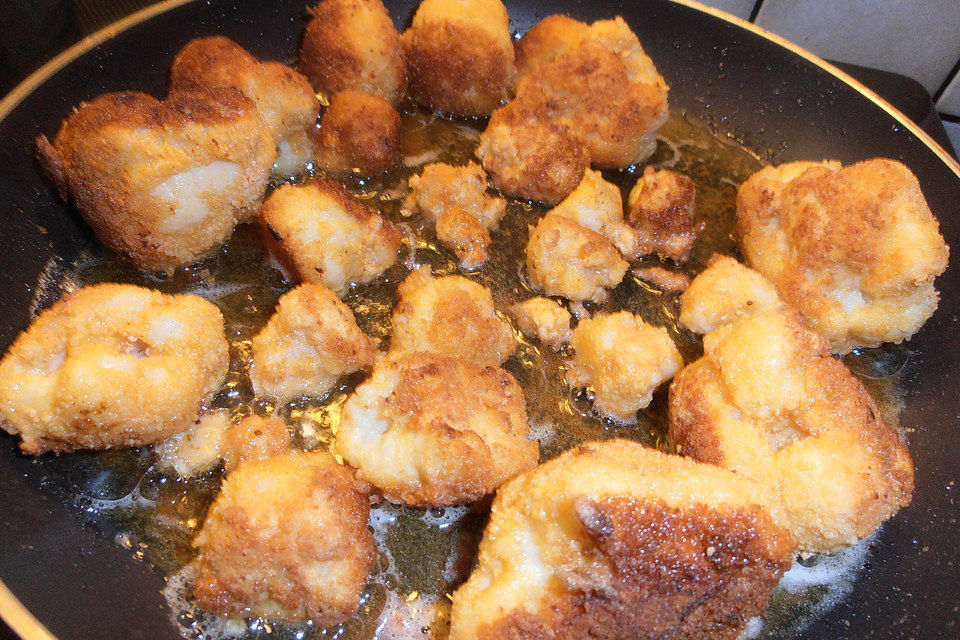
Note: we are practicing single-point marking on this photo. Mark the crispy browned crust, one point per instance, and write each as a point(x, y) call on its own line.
point(662, 214)
point(460, 231)
point(546, 40)
point(663, 278)
point(254, 438)
point(692, 573)
point(358, 131)
point(206, 62)
point(353, 44)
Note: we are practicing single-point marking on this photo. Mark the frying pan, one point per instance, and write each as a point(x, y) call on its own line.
point(783, 103)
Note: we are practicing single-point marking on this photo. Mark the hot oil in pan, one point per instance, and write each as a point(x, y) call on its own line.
point(425, 554)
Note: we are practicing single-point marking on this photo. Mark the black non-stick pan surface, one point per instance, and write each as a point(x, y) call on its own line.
point(775, 100)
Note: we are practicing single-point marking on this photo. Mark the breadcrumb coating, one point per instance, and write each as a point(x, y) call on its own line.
point(254, 438)
point(196, 450)
point(546, 40)
point(353, 45)
point(162, 183)
point(543, 319)
point(661, 211)
point(310, 342)
point(768, 401)
point(596, 204)
point(286, 539)
point(604, 88)
point(450, 315)
point(328, 236)
point(111, 365)
point(724, 292)
point(530, 155)
point(359, 132)
point(565, 259)
point(663, 278)
point(441, 186)
point(615, 541)
point(460, 56)
point(429, 429)
point(854, 249)
point(285, 101)
point(466, 235)
point(622, 359)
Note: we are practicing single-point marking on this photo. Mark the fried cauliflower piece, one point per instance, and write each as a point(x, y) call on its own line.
point(466, 235)
point(565, 259)
point(546, 40)
point(450, 315)
point(310, 342)
point(328, 236)
point(854, 249)
point(285, 101)
point(429, 429)
point(358, 132)
point(543, 319)
point(162, 183)
point(254, 438)
point(111, 365)
point(605, 89)
point(661, 211)
point(622, 359)
point(769, 402)
point(615, 541)
point(663, 278)
point(353, 45)
point(596, 204)
point(197, 450)
point(724, 292)
point(286, 539)
point(531, 156)
point(460, 56)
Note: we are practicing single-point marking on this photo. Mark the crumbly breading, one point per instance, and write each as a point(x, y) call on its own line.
point(358, 133)
point(428, 429)
point(566, 259)
point(310, 342)
point(196, 450)
point(460, 56)
point(450, 315)
point(768, 401)
point(460, 231)
point(162, 183)
point(353, 44)
point(616, 541)
point(286, 539)
point(622, 359)
point(328, 235)
point(441, 186)
point(661, 211)
point(661, 278)
point(543, 319)
point(285, 101)
point(597, 205)
point(726, 291)
point(546, 40)
point(111, 365)
point(254, 438)
point(854, 249)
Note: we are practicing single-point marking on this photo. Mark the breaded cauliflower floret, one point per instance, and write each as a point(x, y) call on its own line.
point(352, 44)
point(769, 402)
point(606, 90)
point(198, 449)
point(254, 438)
point(111, 365)
point(660, 209)
point(460, 56)
point(328, 235)
point(531, 156)
point(428, 429)
point(546, 40)
point(285, 101)
point(855, 250)
point(286, 539)
point(456, 199)
point(622, 359)
point(451, 315)
point(596, 204)
point(565, 259)
point(358, 132)
point(544, 319)
point(308, 344)
point(726, 291)
point(663, 278)
point(616, 541)
point(162, 183)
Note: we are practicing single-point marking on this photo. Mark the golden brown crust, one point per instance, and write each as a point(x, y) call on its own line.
point(286, 539)
point(546, 40)
point(724, 292)
point(460, 231)
point(254, 438)
point(432, 430)
point(353, 44)
point(358, 132)
point(661, 211)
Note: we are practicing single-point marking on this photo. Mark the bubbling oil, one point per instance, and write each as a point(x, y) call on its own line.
point(425, 554)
